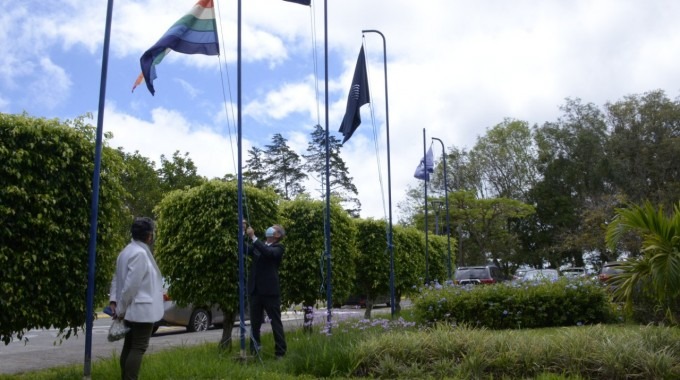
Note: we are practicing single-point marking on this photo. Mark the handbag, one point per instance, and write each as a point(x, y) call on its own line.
point(117, 330)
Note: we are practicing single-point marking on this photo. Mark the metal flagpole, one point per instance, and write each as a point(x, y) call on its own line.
point(94, 207)
point(389, 179)
point(427, 177)
point(241, 259)
point(446, 198)
point(327, 224)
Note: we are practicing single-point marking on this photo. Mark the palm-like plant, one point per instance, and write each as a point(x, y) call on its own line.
point(656, 273)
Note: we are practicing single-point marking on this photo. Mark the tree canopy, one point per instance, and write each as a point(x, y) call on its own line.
point(574, 172)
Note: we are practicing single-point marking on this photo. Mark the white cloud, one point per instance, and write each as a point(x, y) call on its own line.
point(188, 88)
point(169, 131)
point(455, 68)
point(51, 86)
point(283, 101)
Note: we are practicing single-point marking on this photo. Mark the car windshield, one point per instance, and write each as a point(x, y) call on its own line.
point(573, 272)
point(540, 274)
point(468, 273)
point(614, 269)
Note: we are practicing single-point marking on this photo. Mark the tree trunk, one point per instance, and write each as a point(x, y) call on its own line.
point(369, 308)
point(397, 299)
point(227, 330)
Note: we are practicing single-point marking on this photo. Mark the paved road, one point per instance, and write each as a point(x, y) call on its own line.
point(42, 350)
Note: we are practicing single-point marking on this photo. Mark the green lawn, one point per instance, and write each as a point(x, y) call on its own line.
point(381, 348)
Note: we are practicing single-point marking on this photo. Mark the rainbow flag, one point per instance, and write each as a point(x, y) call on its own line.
point(195, 33)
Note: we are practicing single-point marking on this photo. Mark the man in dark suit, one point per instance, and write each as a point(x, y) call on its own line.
point(263, 286)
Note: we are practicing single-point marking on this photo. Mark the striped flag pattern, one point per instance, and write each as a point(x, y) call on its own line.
point(195, 33)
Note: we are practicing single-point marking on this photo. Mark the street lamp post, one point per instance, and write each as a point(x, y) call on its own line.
point(460, 246)
point(390, 234)
point(437, 207)
point(446, 199)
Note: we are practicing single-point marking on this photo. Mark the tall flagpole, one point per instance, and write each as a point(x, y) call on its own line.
point(427, 177)
point(327, 223)
point(239, 180)
point(446, 199)
point(94, 207)
point(389, 179)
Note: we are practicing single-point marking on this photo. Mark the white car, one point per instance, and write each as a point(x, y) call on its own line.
point(574, 272)
point(194, 318)
point(540, 275)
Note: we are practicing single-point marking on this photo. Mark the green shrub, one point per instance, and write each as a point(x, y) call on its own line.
point(409, 260)
point(304, 267)
point(197, 240)
point(45, 202)
point(524, 305)
point(647, 308)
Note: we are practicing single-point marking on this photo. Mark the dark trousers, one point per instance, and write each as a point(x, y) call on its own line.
point(134, 347)
point(272, 305)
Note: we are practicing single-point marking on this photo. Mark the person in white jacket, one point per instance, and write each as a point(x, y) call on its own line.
point(137, 295)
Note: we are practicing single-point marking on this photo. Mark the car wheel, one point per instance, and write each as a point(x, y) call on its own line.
point(199, 321)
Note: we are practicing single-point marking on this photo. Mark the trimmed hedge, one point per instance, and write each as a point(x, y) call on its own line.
point(45, 202)
point(524, 305)
point(197, 240)
point(304, 267)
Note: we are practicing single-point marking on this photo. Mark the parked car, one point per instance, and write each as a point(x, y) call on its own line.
point(609, 269)
point(574, 272)
point(488, 274)
point(540, 275)
point(194, 318)
point(519, 273)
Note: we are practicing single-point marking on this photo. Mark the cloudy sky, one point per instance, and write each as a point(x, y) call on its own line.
point(454, 67)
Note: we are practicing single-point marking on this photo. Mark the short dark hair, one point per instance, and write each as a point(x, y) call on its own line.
point(141, 228)
point(280, 229)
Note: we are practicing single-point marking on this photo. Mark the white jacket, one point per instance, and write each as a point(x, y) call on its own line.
point(137, 285)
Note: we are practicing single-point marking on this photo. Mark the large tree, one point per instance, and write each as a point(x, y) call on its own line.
point(178, 172)
point(285, 168)
point(463, 173)
point(340, 181)
point(256, 170)
point(486, 228)
point(140, 180)
point(574, 187)
point(507, 160)
point(644, 147)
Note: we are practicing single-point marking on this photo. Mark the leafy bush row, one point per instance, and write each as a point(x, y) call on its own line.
point(522, 305)
point(45, 206)
point(197, 229)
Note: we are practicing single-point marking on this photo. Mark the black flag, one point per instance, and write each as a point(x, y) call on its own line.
point(358, 96)
point(301, 2)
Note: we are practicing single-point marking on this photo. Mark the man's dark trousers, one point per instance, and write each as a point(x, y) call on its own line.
point(272, 305)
